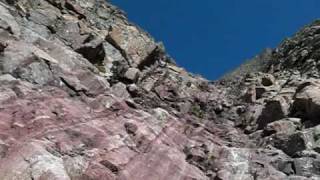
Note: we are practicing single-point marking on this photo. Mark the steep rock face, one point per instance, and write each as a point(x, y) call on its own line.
point(85, 94)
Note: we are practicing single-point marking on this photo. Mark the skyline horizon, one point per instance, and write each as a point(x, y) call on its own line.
point(214, 38)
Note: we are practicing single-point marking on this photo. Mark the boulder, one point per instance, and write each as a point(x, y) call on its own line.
point(287, 126)
point(132, 74)
point(274, 109)
point(294, 143)
point(113, 57)
point(307, 102)
point(94, 84)
point(27, 62)
point(136, 45)
point(120, 90)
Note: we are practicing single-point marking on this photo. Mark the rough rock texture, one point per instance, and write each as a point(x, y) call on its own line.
point(85, 94)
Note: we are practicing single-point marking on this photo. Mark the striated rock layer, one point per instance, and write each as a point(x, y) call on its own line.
point(85, 94)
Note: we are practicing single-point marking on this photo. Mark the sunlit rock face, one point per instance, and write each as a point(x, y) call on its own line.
point(85, 94)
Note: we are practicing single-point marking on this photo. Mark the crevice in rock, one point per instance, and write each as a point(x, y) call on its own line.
point(74, 9)
point(131, 128)
point(52, 29)
point(118, 69)
point(293, 167)
point(11, 2)
point(149, 61)
point(70, 87)
point(54, 3)
point(89, 39)
point(156, 55)
point(3, 46)
point(95, 55)
point(113, 168)
point(5, 26)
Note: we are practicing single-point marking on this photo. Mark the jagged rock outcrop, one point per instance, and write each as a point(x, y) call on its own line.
point(85, 94)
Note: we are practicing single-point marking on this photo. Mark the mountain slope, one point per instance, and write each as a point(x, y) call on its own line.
point(85, 94)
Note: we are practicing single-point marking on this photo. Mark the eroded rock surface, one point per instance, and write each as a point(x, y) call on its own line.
point(85, 94)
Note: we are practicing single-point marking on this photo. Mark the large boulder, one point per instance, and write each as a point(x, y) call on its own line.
point(135, 45)
point(307, 102)
point(287, 126)
point(275, 109)
point(294, 143)
point(259, 114)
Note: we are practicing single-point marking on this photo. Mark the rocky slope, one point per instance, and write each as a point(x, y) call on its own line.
point(85, 94)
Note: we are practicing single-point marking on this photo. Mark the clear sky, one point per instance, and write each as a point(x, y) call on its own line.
point(211, 37)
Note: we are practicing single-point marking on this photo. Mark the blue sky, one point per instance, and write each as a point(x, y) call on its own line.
point(212, 37)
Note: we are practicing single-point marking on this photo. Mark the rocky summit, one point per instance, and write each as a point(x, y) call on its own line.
point(87, 95)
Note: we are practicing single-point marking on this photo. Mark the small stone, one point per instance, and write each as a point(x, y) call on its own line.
point(148, 84)
point(304, 53)
point(131, 128)
point(120, 90)
point(133, 88)
point(113, 168)
point(17, 125)
point(132, 74)
point(160, 114)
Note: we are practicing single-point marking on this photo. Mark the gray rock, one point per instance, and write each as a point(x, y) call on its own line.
point(93, 83)
point(36, 72)
point(307, 166)
point(46, 17)
point(8, 22)
point(307, 101)
point(287, 126)
point(132, 74)
point(7, 77)
point(112, 57)
point(120, 90)
point(136, 45)
point(294, 143)
point(275, 109)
